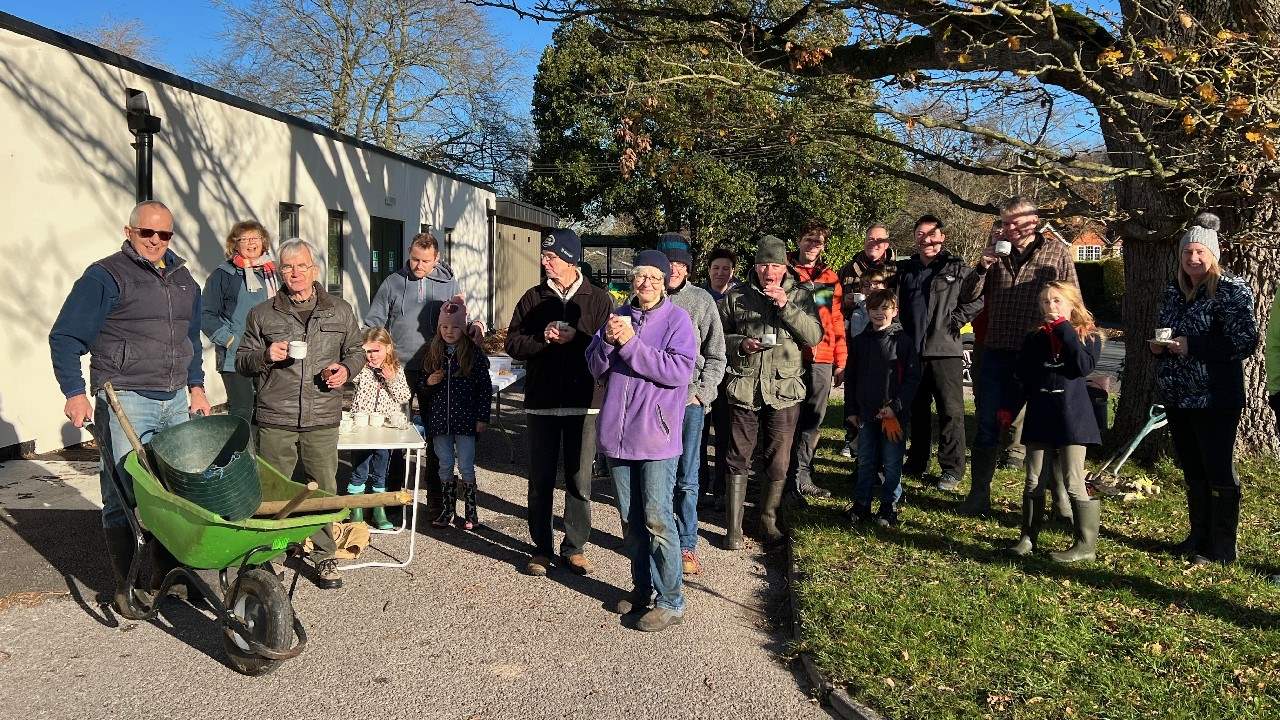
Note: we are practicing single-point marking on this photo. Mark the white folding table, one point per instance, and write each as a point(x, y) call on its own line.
point(385, 438)
point(500, 383)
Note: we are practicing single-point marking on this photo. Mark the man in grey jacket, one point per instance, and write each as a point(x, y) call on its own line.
point(408, 302)
point(298, 404)
point(707, 373)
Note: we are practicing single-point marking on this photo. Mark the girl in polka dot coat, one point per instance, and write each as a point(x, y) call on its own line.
point(455, 393)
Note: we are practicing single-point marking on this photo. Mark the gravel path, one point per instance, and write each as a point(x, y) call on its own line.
point(462, 634)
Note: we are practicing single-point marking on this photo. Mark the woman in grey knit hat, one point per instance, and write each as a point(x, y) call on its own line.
point(1208, 325)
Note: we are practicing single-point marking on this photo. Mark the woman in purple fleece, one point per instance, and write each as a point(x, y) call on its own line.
point(644, 356)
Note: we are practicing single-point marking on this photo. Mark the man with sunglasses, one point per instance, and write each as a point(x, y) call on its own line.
point(137, 314)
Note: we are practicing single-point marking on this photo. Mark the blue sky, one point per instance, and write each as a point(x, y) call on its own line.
point(185, 29)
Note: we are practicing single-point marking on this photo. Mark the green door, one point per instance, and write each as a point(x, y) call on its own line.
point(386, 241)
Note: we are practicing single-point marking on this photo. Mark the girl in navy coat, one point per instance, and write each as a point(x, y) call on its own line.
point(1052, 366)
point(455, 393)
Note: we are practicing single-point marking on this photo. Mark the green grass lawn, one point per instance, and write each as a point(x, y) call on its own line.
point(933, 620)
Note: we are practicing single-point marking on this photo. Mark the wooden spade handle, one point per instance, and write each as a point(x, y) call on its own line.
point(337, 502)
point(129, 432)
point(303, 494)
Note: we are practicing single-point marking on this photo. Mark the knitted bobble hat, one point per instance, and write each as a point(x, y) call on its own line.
point(1203, 231)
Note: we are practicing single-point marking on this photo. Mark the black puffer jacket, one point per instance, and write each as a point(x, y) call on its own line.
point(291, 393)
point(1221, 332)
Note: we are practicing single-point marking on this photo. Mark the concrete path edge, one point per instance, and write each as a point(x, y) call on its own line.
point(837, 697)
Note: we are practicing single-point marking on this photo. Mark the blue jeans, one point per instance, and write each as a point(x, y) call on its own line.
point(685, 476)
point(651, 541)
point(996, 387)
point(148, 417)
point(369, 466)
point(466, 457)
point(875, 450)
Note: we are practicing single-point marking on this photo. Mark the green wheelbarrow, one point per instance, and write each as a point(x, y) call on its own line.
point(260, 628)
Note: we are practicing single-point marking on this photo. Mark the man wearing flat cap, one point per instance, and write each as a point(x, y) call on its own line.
point(768, 321)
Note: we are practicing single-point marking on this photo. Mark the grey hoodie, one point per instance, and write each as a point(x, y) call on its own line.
point(412, 321)
point(709, 369)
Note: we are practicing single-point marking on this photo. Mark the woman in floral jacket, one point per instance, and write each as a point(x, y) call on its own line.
point(1200, 379)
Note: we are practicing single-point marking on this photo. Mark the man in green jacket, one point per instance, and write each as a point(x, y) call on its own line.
point(767, 321)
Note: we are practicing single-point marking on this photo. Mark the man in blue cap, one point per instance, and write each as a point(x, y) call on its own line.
point(550, 329)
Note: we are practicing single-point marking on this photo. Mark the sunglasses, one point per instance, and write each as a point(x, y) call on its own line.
point(145, 233)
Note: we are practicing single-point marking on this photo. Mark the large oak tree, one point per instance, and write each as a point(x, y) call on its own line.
point(1181, 97)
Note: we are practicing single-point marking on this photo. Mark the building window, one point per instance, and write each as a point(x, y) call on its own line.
point(336, 250)
point(1088, 252)
point(288, 221)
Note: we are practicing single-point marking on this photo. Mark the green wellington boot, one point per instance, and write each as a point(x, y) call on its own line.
point(378, 519)
point(1087, 516)
point(357, 514)
point(734, 497)
point(1032, 516)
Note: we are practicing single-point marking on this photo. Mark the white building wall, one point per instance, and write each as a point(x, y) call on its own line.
point(67, 187)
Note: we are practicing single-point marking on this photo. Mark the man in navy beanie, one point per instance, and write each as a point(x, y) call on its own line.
point(550, 329)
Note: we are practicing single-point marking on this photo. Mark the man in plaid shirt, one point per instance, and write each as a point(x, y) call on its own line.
point(1013, 283)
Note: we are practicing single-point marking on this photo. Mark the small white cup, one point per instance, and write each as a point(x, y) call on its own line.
point(360, 419)
point(377, 420)
point(562, 326)
point(769, 339)
point(397, 420)
point(297, 349)
point(1164, 334)
point(858, 297)
point(626, 319)
point(346, 426)
point(1003, 248)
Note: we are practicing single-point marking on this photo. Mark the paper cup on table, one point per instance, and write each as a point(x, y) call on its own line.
point(297, 349)
point(377, 420)
point(1164, 334)
point(346, 426)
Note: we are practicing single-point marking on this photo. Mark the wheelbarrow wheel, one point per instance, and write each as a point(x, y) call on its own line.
point(261, 603)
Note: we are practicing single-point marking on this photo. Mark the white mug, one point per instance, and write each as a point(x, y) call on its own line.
point(397, 420)
point(1164, 334)
point(360, 419)
point(297, 349)
point(1003, 248)
point(377, 420)
point(769, 339)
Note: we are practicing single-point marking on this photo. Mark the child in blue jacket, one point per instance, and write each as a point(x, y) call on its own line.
point(455, 393)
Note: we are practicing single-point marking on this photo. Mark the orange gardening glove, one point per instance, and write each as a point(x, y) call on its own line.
point(892, 428)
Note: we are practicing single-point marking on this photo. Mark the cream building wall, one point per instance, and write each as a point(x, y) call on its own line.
point(68, 185)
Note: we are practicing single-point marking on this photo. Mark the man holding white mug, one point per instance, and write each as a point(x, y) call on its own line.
point(1012, 283)
point(765, 382)
point(300, 348)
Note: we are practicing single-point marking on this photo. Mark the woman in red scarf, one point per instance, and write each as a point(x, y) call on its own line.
point(1052, 366)
point(247, 278)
